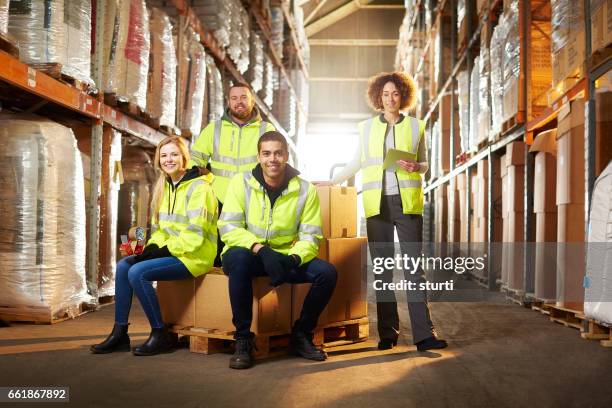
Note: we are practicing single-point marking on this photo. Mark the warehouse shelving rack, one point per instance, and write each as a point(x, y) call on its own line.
point(32, 91)
point(521, 131)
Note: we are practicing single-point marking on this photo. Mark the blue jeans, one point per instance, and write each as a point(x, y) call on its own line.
point(242, 266)
point(136, 278)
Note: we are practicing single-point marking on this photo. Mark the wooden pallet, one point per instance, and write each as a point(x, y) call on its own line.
point(600, 56)
point(542, 306)
point(9, 46)
point(595, 330)
point(54, 70)
point(41, 314)
point(509, 124)
point(342, 333)
point(106, 300)
point(464, 157)
point(129, 108)
point(212, 341)
point(517, 296)
point(566, 317)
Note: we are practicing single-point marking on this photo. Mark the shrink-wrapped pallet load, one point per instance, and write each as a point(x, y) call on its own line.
point(77, 20)
point(497, 85)
point(192, 83)
point(161, 95)
point(598, 280)
point(267, 93)
point(238, 49)
point(256, 63)
point(567, 42)
point(42, 239)
point(472, 144)
point(217, 16)
point(215, 86)
point(109, 219)
point(484, 95)
point(4, 11)
point(464, 111)
point(511, 63)
point(278, 29)
point(38, 27)
point(126, 50)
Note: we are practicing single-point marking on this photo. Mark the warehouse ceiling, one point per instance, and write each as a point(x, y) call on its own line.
point(350, 41)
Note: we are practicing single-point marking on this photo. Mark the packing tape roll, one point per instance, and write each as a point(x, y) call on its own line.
point(137, 233)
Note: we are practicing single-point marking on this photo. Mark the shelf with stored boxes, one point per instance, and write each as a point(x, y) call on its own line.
point(546, 54)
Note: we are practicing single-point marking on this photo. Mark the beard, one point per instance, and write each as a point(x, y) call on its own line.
point(245, 114)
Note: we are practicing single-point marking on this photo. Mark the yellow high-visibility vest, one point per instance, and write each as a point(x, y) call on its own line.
point(408, 134)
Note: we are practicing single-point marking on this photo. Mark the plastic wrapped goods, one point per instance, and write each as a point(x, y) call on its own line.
point(192, 83)
point(126, 50)
point(42, 238)
point(267, 93)
point(77, 19)
point(106, 276)
point(278, 28)
point(472, 144)
point(161, 94)
point(216, 15)
point(256, 65)
point(567, 39)
point(215, 86)
point(38, 27)
point(484, 95)
point(4, 11)
point(598, 280)
point(238, 49)
point(511, 62)
point(464, 111)
point(497, 85)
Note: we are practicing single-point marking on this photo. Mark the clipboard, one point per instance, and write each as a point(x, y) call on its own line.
point(393, 155)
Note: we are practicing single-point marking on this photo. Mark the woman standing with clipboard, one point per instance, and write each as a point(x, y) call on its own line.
point(393, 198)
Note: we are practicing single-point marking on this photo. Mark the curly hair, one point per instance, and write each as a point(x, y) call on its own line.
point(403, 82)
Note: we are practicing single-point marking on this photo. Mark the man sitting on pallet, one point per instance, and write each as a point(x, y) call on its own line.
point(271, 225)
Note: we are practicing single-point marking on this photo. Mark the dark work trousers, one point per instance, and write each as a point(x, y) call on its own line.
point(220, 243)
point(241, 265)
point(380, 237)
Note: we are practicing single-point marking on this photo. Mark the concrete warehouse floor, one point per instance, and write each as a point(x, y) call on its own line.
point(500, 355)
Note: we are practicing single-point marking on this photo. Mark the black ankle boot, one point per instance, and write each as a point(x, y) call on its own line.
point(118, 340)
point(158, 342)
point(386, 344)
point(431, 343)
point(243, 354)
point(302, 345)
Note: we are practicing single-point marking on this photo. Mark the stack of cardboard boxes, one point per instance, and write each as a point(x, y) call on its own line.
point(444, 135)
point(514, 211)
point(570, 205)
point(204, 302)
point(441, 214)
point(545, 209)
point(347, 252)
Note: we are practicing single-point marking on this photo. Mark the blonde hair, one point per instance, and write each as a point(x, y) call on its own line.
point(158, 190)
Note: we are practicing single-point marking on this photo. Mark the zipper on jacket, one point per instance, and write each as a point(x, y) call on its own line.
point(239, 143)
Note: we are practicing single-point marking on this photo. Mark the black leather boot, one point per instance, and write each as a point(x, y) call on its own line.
point(118, 340)
point(243, 354)
point(158, 342)
point(387, 344)
point(302, 345)
point(431, 343)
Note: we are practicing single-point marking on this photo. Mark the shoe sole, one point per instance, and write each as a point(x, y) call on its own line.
point(122, 349)
point(145, 354)
point(240, 366)
point(312, 357)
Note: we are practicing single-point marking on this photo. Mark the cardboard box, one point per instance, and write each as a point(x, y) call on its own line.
point(603, 121)
point(570, 223)
point(601, 29)
point(338, 211)
point(570, 167)
point(204, 302)
point(503, 166)
point(544, 183)
point(461, 181)
point(546, 227)
point(516, 192)
point(515, 154)
point(516, 250)
point(441, 214)
point(349, 301)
